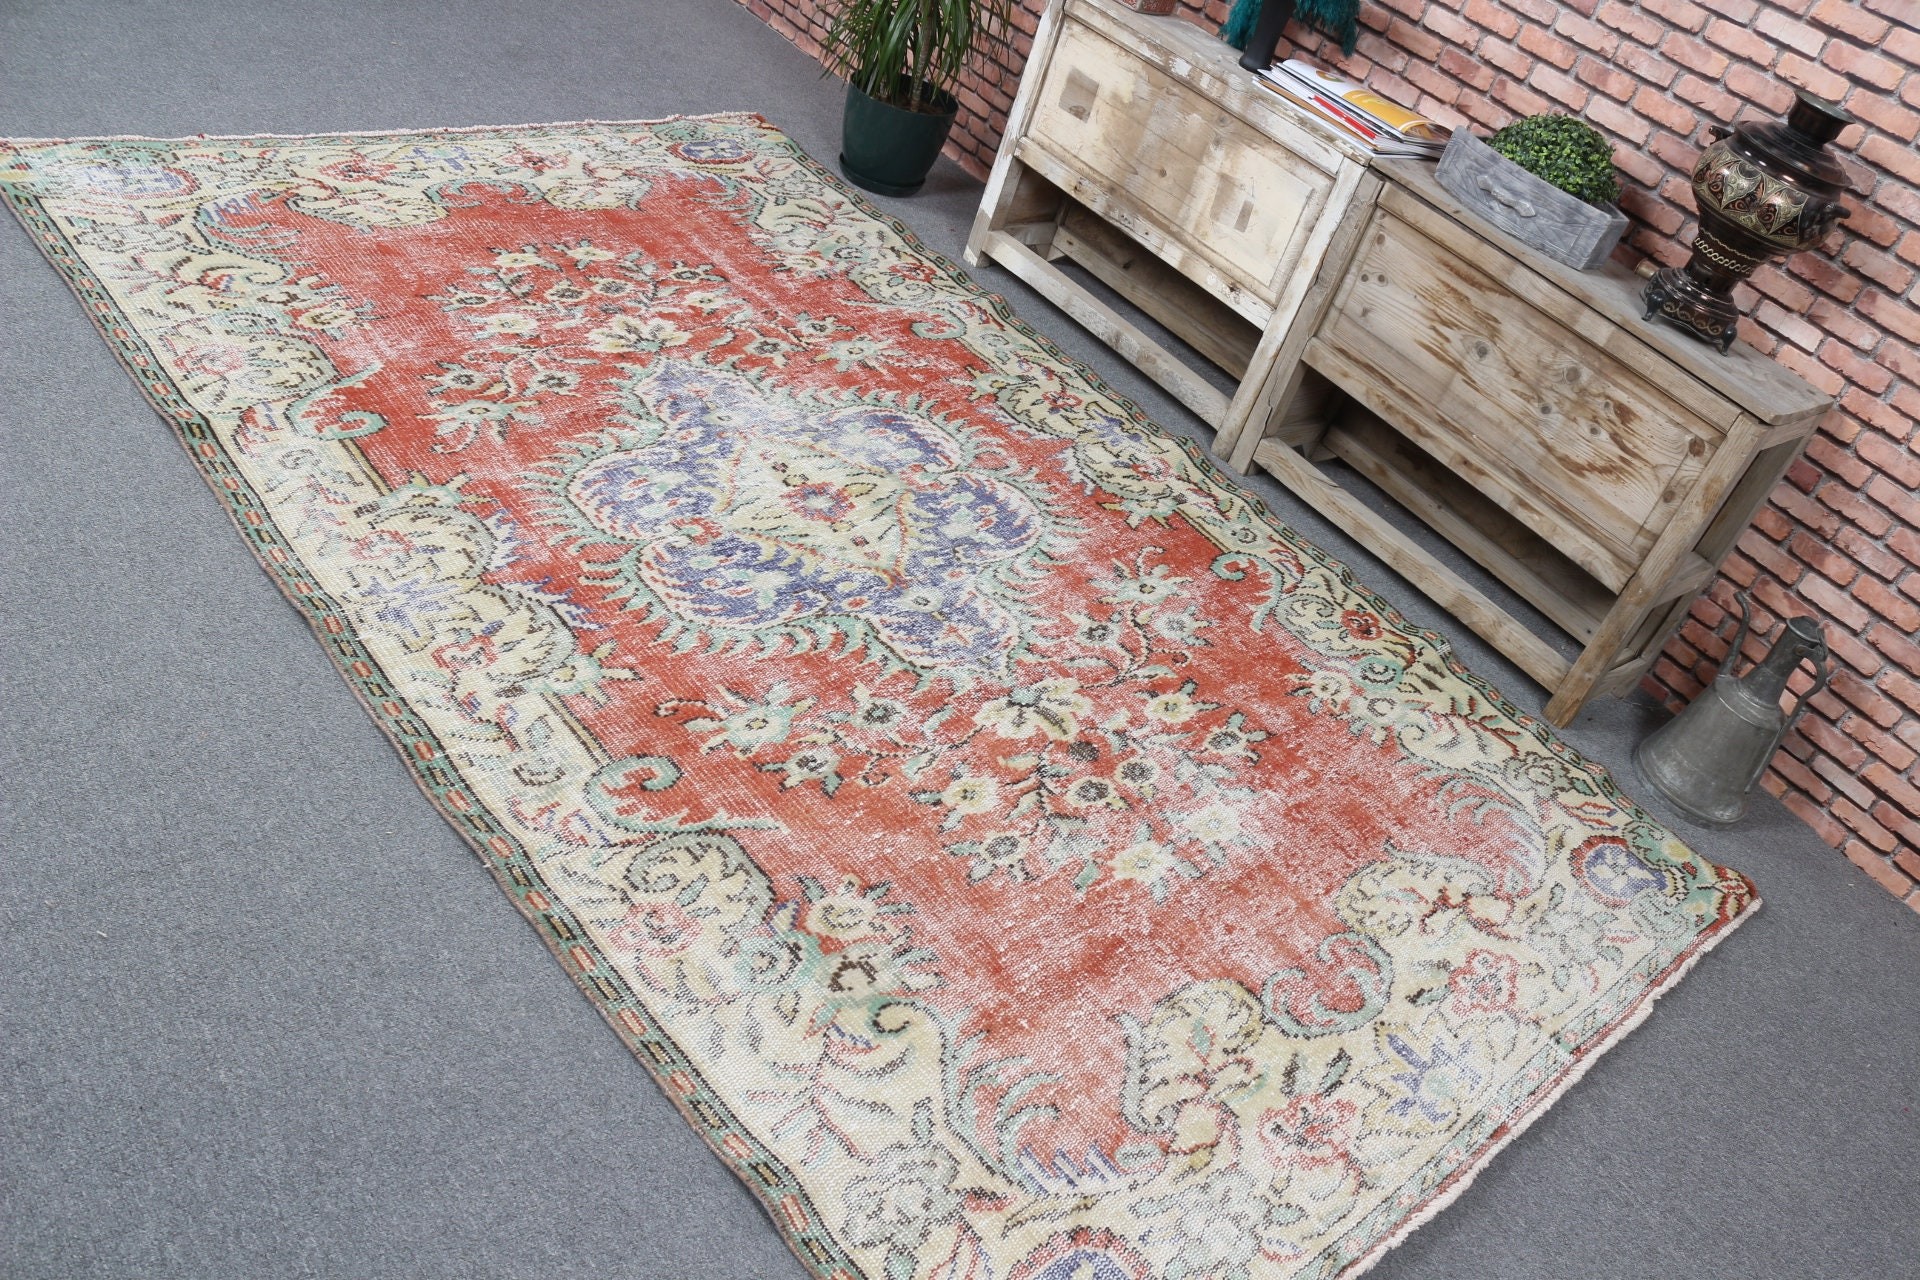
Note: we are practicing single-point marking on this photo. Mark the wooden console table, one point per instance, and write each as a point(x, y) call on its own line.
point(1599, 466)
point(1138, 149)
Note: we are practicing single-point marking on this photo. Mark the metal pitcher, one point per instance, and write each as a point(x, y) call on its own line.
point(1706, 759)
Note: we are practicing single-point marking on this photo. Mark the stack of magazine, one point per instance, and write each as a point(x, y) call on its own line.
point(1387, 128)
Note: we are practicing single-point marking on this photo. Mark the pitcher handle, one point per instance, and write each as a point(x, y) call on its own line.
point(1822, 659)
point(1740, 598)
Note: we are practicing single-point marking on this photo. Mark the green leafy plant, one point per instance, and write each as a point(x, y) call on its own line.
point(1569, 153)
point(910, 53)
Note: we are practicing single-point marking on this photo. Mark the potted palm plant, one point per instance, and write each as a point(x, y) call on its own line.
point(901, 60)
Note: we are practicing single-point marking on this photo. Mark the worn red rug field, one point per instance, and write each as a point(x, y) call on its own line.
point(1014, 851)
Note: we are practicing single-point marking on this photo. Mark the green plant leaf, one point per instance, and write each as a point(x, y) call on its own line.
point(1571, 154)
point(909, 52)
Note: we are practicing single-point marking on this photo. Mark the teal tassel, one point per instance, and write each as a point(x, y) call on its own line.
point(1239, 25)
point(1338, 18)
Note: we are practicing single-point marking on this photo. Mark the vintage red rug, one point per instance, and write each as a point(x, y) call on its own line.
point(1016, 853)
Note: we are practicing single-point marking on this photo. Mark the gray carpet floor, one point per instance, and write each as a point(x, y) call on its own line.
point(262, 1014)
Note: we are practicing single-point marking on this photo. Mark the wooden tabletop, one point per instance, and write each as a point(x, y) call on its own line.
point(1213, 66)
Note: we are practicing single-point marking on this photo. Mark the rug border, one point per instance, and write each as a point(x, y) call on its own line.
point(1635, 1011)
point(783, 1197)
point(1543, 1099)
point(543, 920)
point(409, 132)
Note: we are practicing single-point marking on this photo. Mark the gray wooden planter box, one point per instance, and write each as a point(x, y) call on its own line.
point(1531, 210)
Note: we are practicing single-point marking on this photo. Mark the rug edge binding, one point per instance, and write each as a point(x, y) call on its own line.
point(1543, 1101)
point(414, 132)
point(1209, 468)
point(494, 863)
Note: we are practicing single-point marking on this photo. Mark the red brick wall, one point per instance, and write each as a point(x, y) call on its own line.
point(1840, 539)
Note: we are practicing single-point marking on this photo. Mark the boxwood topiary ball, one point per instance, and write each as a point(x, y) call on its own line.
point(1569, 153)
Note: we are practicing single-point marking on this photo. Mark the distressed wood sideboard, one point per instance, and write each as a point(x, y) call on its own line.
point(1599, 466)
point(1139, 150)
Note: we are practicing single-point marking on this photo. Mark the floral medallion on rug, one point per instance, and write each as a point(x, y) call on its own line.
point(1016, 853)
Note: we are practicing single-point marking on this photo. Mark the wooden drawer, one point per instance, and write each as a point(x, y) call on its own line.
point(1572, 441)
point(1226, 204)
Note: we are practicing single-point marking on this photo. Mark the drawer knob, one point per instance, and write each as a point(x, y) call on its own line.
point(1520, 205)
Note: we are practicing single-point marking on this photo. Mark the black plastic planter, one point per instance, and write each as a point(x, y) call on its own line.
point(889, 149)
